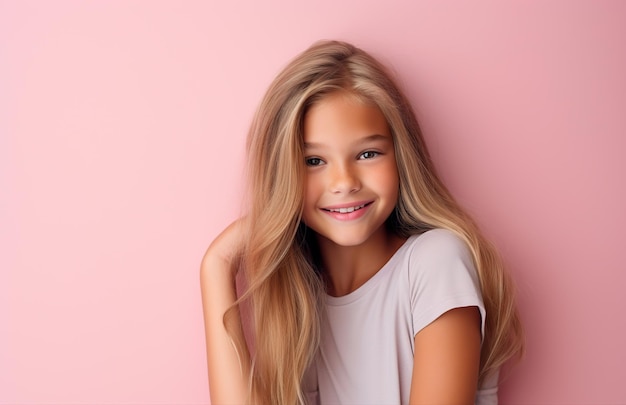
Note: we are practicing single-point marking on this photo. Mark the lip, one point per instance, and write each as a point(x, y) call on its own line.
point(347, 216)
point(347, 205)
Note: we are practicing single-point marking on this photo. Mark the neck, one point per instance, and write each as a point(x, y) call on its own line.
point(346, 268)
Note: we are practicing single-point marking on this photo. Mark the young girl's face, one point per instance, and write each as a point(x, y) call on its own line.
point(352, 180)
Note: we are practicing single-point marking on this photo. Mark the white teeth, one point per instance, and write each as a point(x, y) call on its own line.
point(349, 209)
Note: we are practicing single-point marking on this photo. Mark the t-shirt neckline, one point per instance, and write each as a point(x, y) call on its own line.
point(373, 281)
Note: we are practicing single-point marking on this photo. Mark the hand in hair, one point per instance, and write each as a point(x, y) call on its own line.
point(228, 369)
point(226, 249)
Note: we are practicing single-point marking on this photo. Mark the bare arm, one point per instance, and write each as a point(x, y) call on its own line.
point(228, 377)
point(447, 359)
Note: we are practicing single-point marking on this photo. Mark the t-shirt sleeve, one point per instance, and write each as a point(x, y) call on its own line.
point(442, 276)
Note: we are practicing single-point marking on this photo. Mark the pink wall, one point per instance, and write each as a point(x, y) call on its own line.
point(122, 133)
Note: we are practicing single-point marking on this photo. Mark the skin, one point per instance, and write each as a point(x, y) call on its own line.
point(228, 380)
point(447, 358)
point(350, 161)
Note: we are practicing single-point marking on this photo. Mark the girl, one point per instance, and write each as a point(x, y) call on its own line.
point(364, 281)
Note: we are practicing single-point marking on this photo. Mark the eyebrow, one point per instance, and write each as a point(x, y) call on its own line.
point(365, 139)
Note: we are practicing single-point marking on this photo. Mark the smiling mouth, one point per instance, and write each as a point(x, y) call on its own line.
point(347, 209)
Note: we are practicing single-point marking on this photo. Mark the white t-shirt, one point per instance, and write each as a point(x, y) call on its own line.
point(366, 350)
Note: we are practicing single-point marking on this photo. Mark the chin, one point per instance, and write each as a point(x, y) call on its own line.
point(349, 240)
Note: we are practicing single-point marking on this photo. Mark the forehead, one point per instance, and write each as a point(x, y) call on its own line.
point(341, 114)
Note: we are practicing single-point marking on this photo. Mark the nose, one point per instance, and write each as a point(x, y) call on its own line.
point(344, 179)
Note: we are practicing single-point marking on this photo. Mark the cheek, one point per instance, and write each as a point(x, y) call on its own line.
point(310, 203)
point(311, 191)
point(388, 179)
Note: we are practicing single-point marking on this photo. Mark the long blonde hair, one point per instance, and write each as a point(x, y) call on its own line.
point(283, 287)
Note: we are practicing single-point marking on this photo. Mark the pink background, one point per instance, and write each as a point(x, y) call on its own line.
point(122, 130)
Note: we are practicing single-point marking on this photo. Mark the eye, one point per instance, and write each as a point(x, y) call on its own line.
point(368, 154)
point(313, 161)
